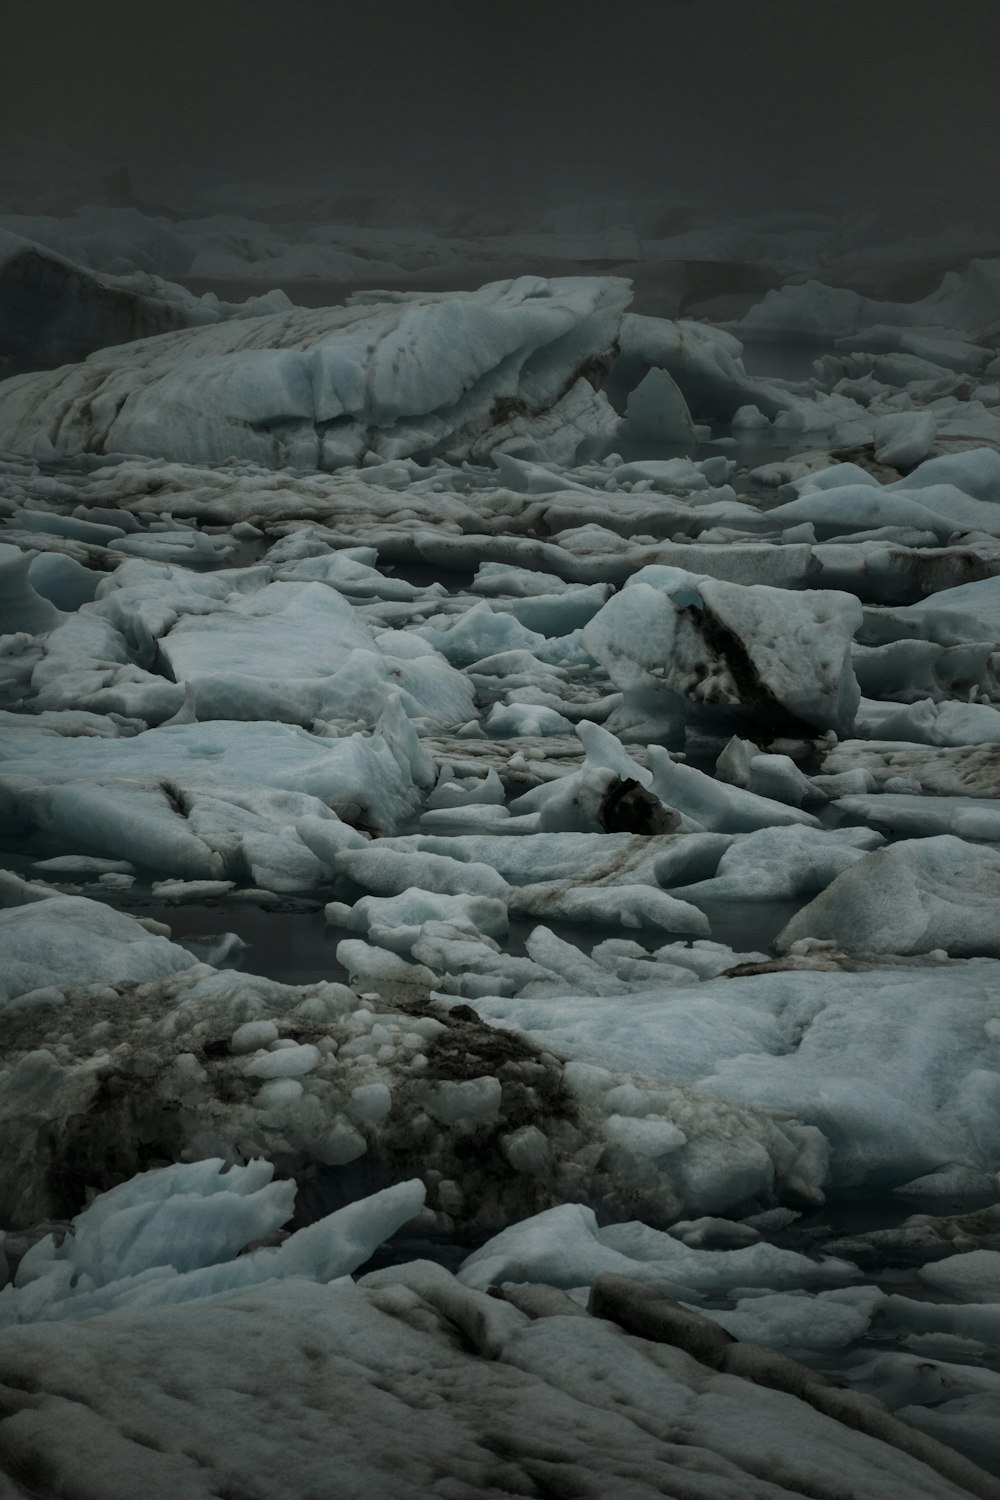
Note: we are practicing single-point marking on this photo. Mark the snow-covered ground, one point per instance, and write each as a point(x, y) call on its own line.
point(531, 647)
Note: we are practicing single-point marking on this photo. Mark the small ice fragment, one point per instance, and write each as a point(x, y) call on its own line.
point(289, 1062)
point(278, 1093)
point(471, 1100)
point(191, 890)
point(527, 1150)
point(342, 1145)
point(645, 1137)
point(370, 1103)
point(252, 1035)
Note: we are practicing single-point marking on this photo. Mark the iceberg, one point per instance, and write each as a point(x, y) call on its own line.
point(408, 374)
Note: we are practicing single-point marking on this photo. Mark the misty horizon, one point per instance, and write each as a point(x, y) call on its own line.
point(727, 105)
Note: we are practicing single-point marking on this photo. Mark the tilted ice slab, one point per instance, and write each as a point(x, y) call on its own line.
point(55, 309)
point(202, 801)
point(175, 1235)
point(682, 645)
point(581, 801)
point(918, 896)
point(51, 940)
point(942, 510)
point(415, 373)
point(716, 805)
point(781, 863)
point(950, 617)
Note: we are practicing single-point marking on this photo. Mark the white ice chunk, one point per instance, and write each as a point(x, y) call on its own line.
point(715, 805)
point(698, 645)
point(828, 1320)
point(776, 776)
point(279, 1093)
point(396, 922)
point(298, 651)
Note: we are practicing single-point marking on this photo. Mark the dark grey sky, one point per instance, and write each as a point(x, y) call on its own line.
point(764, 100)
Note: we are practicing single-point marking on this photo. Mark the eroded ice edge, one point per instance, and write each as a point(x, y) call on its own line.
point(645, 704)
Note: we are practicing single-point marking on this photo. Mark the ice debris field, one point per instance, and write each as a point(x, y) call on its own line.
point(500, 931)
